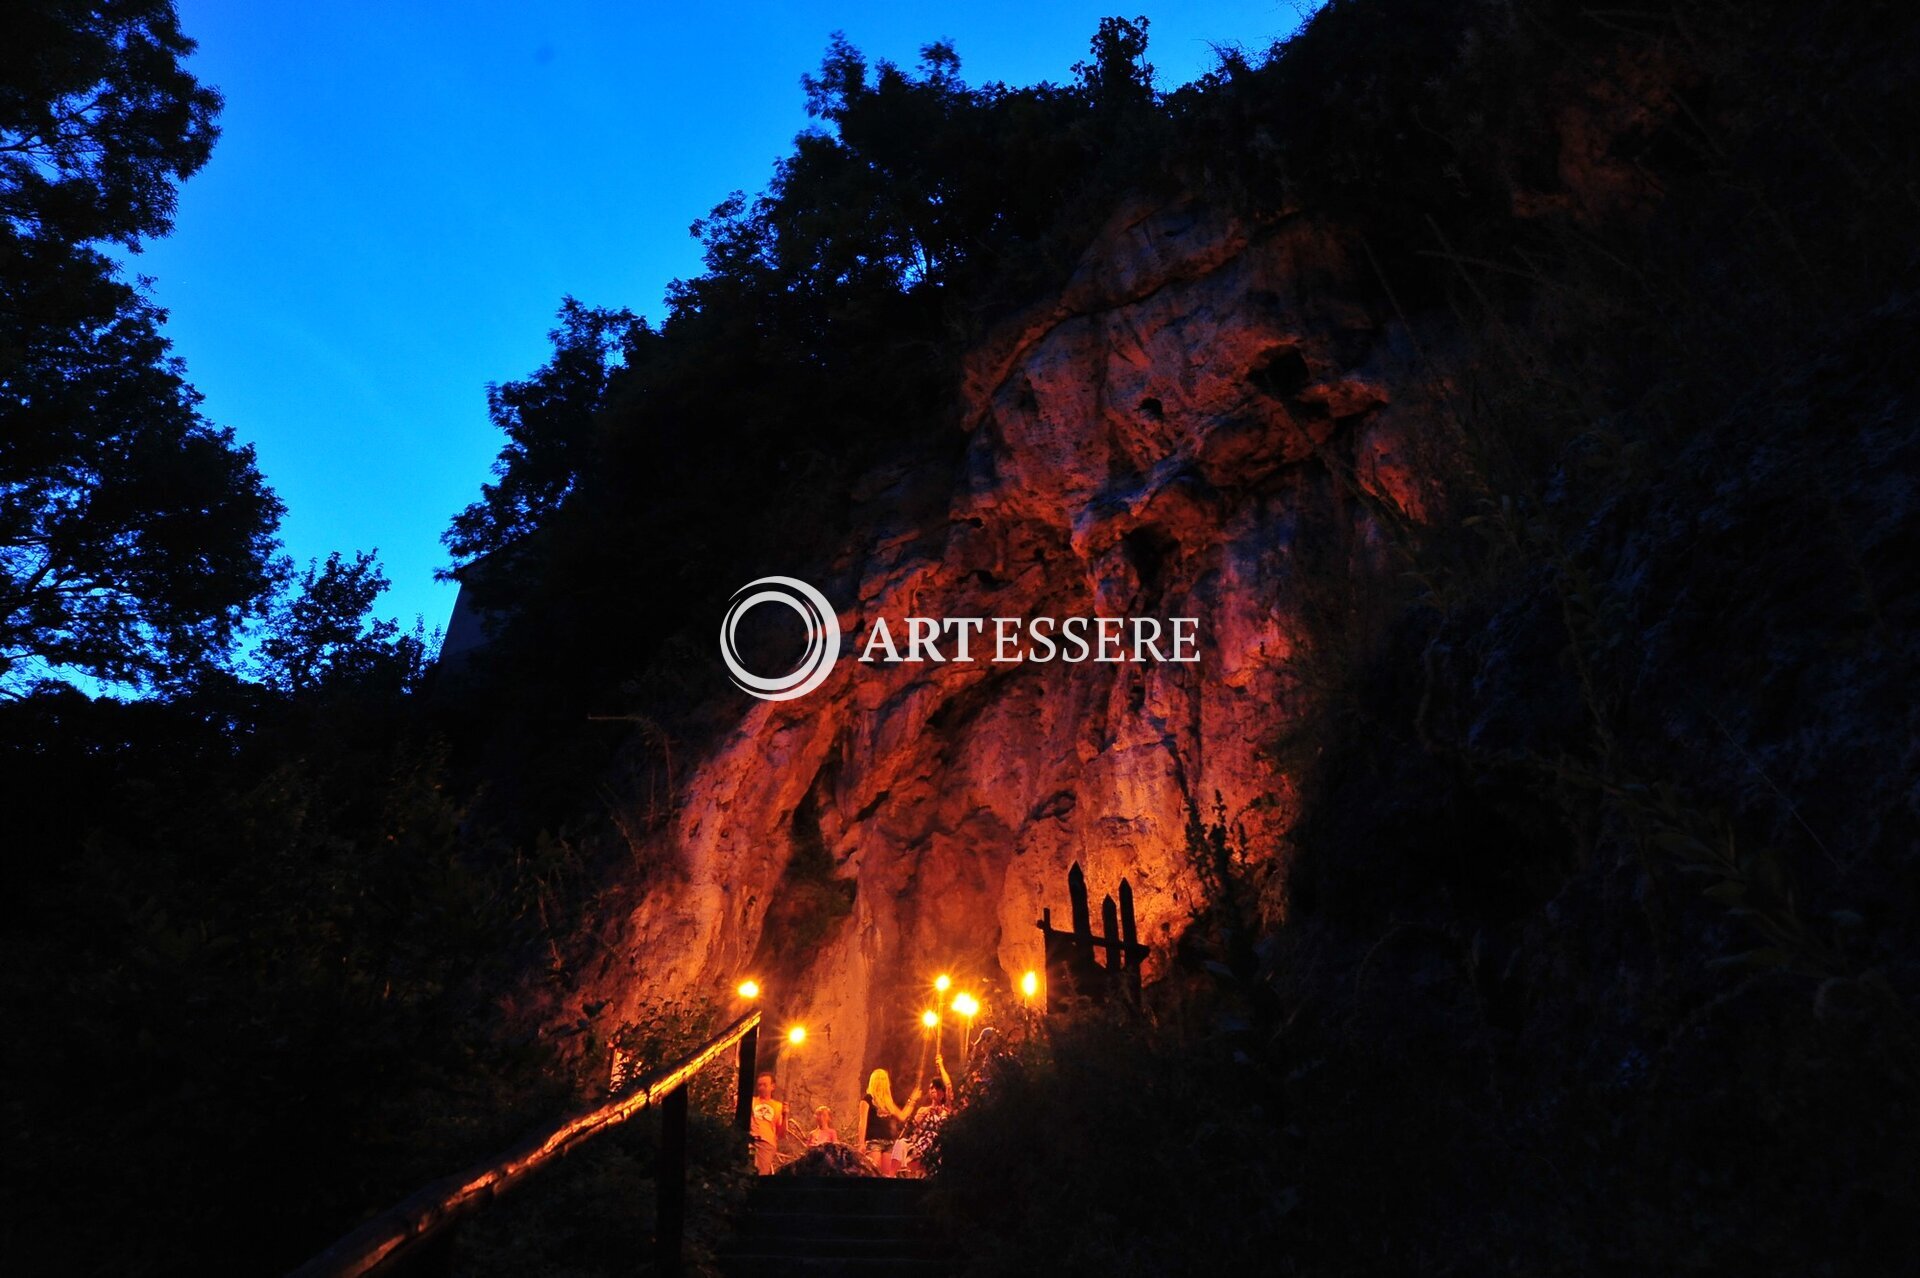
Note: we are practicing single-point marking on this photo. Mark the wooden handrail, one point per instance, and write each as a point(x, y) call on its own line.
point(399, 1232)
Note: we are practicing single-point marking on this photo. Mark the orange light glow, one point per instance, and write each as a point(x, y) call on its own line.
point(943, 982)
point(966, 1004)
point(929, 1018)
point(1030, 984)
point(749, 989)
point(797, 1035)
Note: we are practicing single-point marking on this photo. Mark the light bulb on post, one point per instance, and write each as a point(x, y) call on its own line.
point(748, 989)
point(1029, 990)
point(943, 982)
point(930, 1018)
point(796, 1035)
point(968, 1006)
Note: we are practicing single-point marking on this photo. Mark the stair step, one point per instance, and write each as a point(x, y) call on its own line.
point(771, 1265)
point(799, 1245)
point(809, 1198)
point(837, 1224)
point(844, 1183)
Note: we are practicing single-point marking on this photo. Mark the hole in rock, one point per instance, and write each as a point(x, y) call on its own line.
point(1281, 373)
point(1149, 548)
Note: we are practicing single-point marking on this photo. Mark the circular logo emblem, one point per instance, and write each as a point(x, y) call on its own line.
point(823, 637)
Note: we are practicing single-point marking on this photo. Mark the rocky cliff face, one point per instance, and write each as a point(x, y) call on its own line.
point(1151, 442)
point(1554, 666)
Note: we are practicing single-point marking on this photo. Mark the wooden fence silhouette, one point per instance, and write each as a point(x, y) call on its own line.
point(1074, 970)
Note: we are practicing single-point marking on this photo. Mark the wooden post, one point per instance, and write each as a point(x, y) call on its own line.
point(1110, 933)
point(1077, 899)
point(670, 1182)
point(1086, 972)
point(1116, 954)
point(749, 1059)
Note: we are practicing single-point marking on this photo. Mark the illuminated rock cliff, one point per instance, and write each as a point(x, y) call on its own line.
point(1151, 442)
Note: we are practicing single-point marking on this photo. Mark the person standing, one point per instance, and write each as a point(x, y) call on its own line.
point(768, 1120)
point(924, 1128)
point(822, 1133)
point(882, 1122)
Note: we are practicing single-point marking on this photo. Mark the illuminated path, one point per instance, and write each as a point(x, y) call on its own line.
point(835, 1225)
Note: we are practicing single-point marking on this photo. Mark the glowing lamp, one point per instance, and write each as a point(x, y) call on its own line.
point(943, 982)
point(1030, 984)
point(966, 1005)
point(749, 989)
point(797, 1035)
point(929, 1018)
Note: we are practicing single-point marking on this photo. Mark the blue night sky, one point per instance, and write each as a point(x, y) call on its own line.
point(402, 194)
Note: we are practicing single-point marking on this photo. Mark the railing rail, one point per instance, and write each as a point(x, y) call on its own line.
point(405, 1231)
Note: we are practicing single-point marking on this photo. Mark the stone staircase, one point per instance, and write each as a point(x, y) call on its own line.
point(835, 1225)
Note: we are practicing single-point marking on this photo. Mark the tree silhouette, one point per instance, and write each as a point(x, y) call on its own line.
point(134, 534)
point(324, 636)
point(548, 421)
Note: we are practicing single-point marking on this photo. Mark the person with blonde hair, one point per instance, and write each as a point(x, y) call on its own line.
point(882, 1123)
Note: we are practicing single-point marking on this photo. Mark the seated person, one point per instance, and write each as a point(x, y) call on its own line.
point(822, 1133)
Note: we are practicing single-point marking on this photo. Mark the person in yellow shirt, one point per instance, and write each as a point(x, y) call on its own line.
point(767, 1122)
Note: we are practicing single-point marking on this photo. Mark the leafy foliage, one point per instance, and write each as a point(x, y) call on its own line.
point(1108, 1147)
point(265, 953)
point(99, 122)
point(325, 636)
point(134, 535)
point(548, 420)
